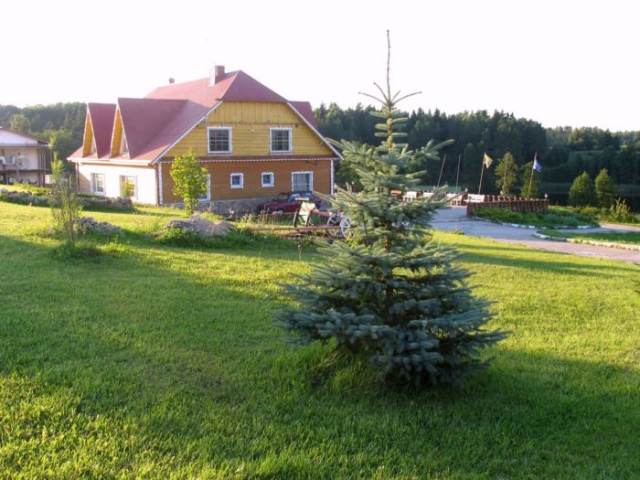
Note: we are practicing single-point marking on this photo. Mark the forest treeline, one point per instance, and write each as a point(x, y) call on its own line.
point(61, 124)
point(564, 152)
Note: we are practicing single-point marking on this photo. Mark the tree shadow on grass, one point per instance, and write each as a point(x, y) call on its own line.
point(128, 348)
point(531, 259)
point(133, 364)
point(529, 416)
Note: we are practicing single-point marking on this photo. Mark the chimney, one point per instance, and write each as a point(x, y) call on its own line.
point(219, 72)
point(171, 81)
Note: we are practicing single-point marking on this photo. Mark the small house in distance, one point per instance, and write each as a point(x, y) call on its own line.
point(253, 143)
point(23, 158)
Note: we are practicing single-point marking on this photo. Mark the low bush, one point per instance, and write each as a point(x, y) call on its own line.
point(235, 239)
point(619, 213)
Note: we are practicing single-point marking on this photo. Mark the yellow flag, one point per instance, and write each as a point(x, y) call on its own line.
point(487, 161)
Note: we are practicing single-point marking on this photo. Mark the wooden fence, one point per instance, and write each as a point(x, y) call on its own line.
point(514, 204)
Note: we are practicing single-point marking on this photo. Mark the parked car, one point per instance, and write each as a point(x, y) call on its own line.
point(288, 202)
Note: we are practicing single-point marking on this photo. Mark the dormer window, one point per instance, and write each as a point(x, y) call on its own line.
point(219, 139)
point(280, 140)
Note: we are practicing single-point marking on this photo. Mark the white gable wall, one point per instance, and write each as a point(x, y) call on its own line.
point(145, 179)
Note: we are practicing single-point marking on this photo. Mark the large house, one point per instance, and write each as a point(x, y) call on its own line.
point(252, 142)
point(23, 158)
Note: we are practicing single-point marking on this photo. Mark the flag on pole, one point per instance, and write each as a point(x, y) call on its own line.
point(487, 161)
point(536, 164)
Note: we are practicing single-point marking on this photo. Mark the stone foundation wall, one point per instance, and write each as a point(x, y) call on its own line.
point(234, 208)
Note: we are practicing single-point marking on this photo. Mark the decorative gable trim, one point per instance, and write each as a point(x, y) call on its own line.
point(314, 130)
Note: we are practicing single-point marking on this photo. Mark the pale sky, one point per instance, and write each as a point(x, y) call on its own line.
point(558, 62)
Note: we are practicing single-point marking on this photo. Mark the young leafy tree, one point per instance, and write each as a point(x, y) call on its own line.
point(190, 180)
point(65, 206)
point(605, 189)
point(506, 173)
point(389, 293)
point(582, 192)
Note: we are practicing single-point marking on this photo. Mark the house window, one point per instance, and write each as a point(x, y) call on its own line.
point(302, 181)
point(280, 139)
point(219, 140)
point(128, 186)
point(97, 183)
point(207, 195)
point(237, 180)
point(267, 179)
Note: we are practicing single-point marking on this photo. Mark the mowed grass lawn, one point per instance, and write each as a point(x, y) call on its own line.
point(159, 362)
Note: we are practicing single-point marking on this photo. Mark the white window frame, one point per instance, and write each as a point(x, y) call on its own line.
point(226, 129)
point(279, 129)
point(95, 183)
point(207, 196)
point(272, 183)
point(135, 185)
point(237, 174)
point(293, 184)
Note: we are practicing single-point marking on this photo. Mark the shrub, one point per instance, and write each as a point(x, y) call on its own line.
point(620, 213)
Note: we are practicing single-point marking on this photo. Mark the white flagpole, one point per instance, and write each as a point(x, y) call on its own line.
point(533, 167)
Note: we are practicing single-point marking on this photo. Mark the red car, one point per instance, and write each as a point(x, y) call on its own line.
point(288, 202)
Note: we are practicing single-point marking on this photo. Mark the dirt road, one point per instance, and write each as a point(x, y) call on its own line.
point(455, 219)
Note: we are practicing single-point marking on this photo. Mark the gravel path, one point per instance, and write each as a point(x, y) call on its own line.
point(455, 219)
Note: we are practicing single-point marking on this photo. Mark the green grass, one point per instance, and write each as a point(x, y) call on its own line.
point(160, 362)
point(629, 238)
point(554, 217)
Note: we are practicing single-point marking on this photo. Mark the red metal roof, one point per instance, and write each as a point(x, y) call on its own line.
point(232, 87)
point(156, 122)
point(304, 109)
point(102, 118)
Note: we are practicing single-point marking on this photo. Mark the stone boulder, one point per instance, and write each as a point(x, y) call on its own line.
point(202, 226)
point(88, 224)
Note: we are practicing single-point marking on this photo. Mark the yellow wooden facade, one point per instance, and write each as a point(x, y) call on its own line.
point(250, 124)
point(88, 138)
point(116, 139)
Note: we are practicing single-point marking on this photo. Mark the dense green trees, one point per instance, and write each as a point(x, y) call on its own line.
point(565, 152)
point(62, 124)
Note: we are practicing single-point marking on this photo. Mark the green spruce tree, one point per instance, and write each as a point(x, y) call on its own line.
point(390, 293)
